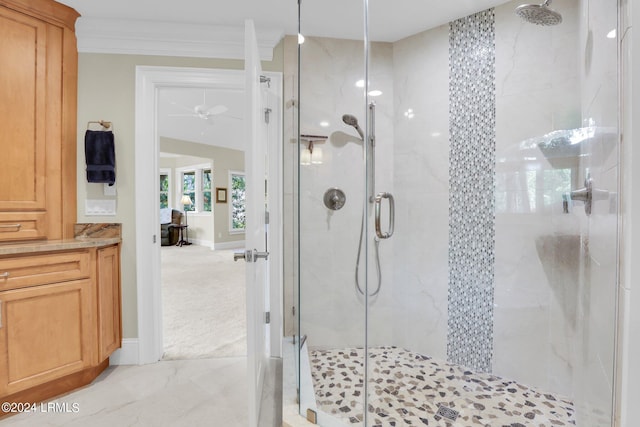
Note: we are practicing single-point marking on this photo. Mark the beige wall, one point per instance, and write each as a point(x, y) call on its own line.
point(223, 161)
point(106, 91)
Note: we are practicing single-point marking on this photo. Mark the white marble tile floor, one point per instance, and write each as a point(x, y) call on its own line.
point(193, 393)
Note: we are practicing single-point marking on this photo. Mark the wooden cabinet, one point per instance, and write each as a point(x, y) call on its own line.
point(59, 317)
point(46, 334)
point(38, 91)
point(59, 308)
point(108, 291)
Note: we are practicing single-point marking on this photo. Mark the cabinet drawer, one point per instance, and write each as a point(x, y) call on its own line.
point(15, 226)
point(32, 270)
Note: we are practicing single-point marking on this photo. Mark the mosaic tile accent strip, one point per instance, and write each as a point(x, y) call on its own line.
point(472, 132)
point(406, 389)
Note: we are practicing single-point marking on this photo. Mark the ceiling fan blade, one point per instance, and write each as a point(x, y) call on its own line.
point(217, 109)
point(226, 116)
point(183, 107)
point(182, 115)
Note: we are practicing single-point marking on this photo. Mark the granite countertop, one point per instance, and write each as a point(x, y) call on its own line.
point(86, 236)
point(56, 245)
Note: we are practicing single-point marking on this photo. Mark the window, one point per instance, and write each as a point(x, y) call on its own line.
point(197, 183)
point(532, 191)
point(189, 189)
point(238, 200)
point(206, 190)
point(165, 185)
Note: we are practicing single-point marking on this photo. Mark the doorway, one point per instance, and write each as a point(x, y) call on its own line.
point(149, 80)
point(203, 289)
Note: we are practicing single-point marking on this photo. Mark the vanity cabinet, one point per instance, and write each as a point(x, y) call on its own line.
point(46, 334)
point(38, 92)
point(59, 315)
point(109, 312)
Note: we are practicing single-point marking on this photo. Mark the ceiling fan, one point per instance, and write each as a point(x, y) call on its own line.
point(201, 111)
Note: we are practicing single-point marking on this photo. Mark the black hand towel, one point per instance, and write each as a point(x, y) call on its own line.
point(100, 153)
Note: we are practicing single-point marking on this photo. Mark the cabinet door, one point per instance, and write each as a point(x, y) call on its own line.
point(109, 323)
point(23, 120)
point(46, 333)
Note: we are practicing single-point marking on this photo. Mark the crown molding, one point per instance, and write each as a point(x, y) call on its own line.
point(133, 37)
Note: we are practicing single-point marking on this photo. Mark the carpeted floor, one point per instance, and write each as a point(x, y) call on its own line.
point(203, 303)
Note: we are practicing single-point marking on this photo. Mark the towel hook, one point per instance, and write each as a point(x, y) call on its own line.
point(105, 125)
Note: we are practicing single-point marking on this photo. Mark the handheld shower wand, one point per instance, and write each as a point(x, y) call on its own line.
point(350, 120)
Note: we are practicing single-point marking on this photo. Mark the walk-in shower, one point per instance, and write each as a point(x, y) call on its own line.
point(494, 303)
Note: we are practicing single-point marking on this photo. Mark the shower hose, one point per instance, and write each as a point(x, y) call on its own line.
point(377, 255)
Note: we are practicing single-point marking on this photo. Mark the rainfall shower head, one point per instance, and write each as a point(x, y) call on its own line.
point(350, 120)
point(539, 14)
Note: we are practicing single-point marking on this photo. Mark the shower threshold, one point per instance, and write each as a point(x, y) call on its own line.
point(407, 388)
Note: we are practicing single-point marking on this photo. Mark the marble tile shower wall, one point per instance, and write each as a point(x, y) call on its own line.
point(421, 185)
point(537, 246)
point(329, 239)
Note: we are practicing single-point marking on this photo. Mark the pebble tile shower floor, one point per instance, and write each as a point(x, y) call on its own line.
point(408, 388)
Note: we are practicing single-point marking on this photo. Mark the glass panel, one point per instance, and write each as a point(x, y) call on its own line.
point(164, 191)
point(189, 189)
point(488, 132)
point(237, 202)
point(206, 190)
point(330, 161)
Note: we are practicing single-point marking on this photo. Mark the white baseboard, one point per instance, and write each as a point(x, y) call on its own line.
point(201, 242)
point(127, 354)
point(238, 244)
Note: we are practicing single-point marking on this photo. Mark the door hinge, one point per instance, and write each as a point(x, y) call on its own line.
point(293, 310)
point(266, 218)
point(267, 317)
point(267, 114)
point(154, 238)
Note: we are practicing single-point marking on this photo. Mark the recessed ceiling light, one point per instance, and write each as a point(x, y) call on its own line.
point(300, 38)
point(360, 83)
point(324, 124)
point(375, 92)
point(612, 34)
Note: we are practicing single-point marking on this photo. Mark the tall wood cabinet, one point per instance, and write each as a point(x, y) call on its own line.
point(38, 92)
point(59, 297)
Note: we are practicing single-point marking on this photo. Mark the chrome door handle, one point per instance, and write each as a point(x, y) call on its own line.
point(257, 255)
point(250, 255)
point(244, 255)
point(392, 212)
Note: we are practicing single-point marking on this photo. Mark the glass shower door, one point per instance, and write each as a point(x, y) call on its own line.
point(449, 268)
point(329, 155)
